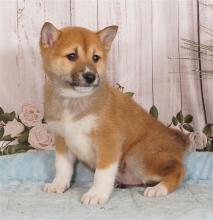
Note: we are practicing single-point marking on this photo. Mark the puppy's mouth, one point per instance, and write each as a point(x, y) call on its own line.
point(82, 87)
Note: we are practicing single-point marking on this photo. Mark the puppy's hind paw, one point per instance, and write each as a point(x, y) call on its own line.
point(156, 191)
point(55, 187)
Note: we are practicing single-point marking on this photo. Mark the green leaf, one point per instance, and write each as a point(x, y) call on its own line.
point(188, 127)
point(1, 132)
point(22, 151)
point(23, 138)
point(11, 149)
point(7, 117)
point(207, 129)
point(209, 146)
point(5, 152)
point(179, 117)
point(7, 138)
point(2, 118)
point(174, 121)
point(153, 112)
point(13, 115)
point(188, 119)
point(1, 111)
point(129, 94)
point(17, 148)
point(44, 121)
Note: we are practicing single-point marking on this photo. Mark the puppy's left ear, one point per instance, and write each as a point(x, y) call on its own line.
point(107, 35)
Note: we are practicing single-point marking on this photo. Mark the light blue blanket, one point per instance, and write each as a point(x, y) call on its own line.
point(22, 177)
point(39, 166)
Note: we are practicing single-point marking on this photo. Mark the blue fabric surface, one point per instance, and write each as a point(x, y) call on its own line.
point(38, 166)
point(22, 177)
point(35, 166)
point(199, 166)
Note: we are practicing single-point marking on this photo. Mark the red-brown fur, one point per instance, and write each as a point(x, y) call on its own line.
point(125, 132)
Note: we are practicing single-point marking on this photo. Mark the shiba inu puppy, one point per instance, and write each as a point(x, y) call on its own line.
point(99, 125)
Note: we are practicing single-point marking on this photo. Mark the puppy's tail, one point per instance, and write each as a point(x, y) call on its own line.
point(183, 139)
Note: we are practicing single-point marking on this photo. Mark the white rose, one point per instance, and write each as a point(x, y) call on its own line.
point(198, 140)
point(40, 137)
point(31, 115)
point(13, 128)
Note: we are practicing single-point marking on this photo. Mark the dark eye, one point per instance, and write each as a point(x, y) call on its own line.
point(72, 56)
point(96, 58)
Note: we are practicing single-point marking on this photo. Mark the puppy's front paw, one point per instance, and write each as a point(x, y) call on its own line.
point(156, 191)
point(93, 197)
point(55, 187)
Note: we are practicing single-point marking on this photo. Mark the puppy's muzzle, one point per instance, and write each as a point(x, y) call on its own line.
point(82, 79)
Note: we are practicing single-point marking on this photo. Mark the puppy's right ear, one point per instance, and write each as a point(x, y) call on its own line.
point(49, 34)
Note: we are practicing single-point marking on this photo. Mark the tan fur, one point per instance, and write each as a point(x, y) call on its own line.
point(61, 147)
point(125, 132)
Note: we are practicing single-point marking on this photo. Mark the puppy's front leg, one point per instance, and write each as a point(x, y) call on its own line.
point(103, 185)
point(107, 161)
point(64, 164)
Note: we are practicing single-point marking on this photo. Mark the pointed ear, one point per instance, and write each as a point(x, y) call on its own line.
point(107, 35)
point(49, 34)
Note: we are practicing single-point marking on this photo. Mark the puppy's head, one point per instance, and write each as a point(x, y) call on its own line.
point(74, 58)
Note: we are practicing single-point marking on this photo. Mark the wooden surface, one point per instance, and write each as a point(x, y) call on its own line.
point(206, 38)
point(149, 56)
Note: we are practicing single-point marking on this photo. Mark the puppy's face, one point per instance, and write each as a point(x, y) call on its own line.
point(74, 58)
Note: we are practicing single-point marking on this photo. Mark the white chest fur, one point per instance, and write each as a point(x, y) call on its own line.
point(77, 135)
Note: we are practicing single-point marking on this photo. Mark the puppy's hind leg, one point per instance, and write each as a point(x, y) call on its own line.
point(64, 164)
point(169, 182)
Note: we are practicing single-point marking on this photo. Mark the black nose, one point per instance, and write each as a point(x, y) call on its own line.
point(89, 77)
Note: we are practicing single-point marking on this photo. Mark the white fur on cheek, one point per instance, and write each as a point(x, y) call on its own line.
point(156, 191)
point(64, 164)
point(103, 186)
